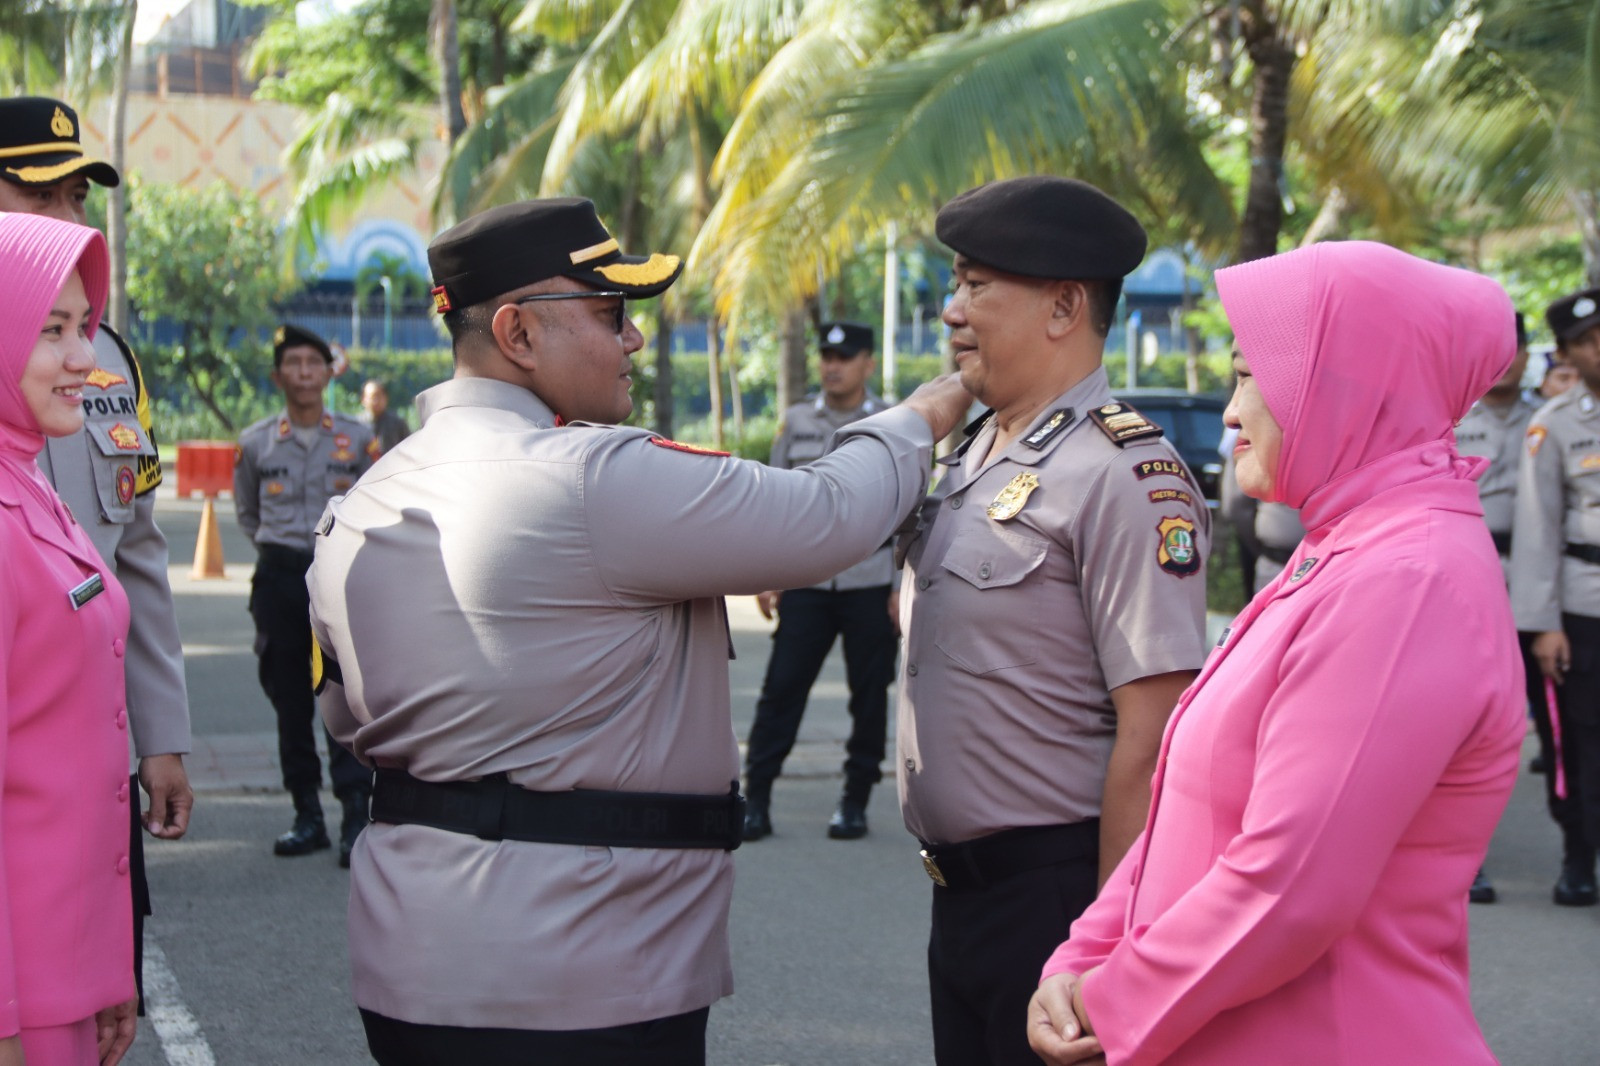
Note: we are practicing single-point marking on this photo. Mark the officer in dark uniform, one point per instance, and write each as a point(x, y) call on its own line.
point(852, 605)
point(287, 468)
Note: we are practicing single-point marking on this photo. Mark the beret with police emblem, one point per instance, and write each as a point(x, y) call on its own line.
point(40, 145)
point(508, 247)
point(1573, 315)
point(291, 336)
point(1044, 227)
point(847, 338)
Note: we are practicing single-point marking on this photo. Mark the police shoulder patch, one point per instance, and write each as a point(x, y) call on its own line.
point(1176, 550)
point(1121, 423)
point(679, 446)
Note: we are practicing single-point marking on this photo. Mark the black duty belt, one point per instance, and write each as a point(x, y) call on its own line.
point(1502, 542)
point(1587, 552)
point(982, 862)
point(495, 809)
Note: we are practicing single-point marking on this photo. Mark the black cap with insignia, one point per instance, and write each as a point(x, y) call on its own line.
point(290, 336)
point(1573, 315)
point(40, 144)
point(846, 338)
point(1044, 227)
point(514, 245)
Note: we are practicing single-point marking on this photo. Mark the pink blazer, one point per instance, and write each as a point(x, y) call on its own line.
point(1327, 789)
point(66, 928)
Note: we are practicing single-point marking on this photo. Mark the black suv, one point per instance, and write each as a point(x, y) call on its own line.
point(1193, 423)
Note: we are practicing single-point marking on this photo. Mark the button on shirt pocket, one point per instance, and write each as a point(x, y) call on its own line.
point(984, 617)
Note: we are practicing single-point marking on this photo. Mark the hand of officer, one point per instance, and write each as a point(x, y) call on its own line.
point(942, 403)
point(767, 604)
point(1054, 1030)
point(1554, 653)
point(171, 799)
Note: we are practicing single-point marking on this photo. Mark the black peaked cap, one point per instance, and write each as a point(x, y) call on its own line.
point(1044, 227)
point(41, 144)
point(292, 336)
point(508, 247)
point(1573, 314)
point(846, 337)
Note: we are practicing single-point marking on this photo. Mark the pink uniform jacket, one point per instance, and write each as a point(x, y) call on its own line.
point(1329, 784)
point(66, 925)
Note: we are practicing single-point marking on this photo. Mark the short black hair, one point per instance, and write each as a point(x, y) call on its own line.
point(465, 323)
point(1103, 297)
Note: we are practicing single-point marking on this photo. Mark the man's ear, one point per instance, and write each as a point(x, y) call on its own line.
point(1069, 308)
point(513, 337)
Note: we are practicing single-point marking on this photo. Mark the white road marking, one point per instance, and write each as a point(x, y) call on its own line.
point(182, 1042)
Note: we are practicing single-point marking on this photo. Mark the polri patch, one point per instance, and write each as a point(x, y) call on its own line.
point(1177, 552)
point(1122, 423)
point(1158, 467)
point(679, 446)
point(1009, 503)
point(1166, 495)
point(1058, 421)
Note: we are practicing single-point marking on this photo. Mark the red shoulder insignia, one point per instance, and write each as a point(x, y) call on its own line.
point(679, 446)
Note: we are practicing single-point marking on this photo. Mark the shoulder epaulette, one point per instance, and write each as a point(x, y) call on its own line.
point(1121, 423)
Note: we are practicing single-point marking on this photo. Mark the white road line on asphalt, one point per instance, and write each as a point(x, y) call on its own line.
point(182, 1042)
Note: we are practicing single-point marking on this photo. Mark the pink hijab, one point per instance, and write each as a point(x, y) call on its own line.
point(37, 256)
point(1367, 357)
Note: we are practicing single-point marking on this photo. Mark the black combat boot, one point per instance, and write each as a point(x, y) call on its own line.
point(757, 820)
point(309, 832)
point(1576, 886)
point(849, 821)
point(356, 805)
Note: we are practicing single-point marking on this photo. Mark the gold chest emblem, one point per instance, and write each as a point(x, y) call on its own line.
point(1012, 498)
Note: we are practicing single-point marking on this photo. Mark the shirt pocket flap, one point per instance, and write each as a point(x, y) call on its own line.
point(120, 438)
point(993, 557)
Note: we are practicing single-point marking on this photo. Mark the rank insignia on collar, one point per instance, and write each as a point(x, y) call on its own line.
point(1122, 423)
point(1009, 503)
point(1057, 421)
point(1177, 552)
point(1303, 569)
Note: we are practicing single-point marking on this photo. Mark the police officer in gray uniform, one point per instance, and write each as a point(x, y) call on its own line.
point(851, 605)
point(1053, 605)
point(1555, 588)
point(107, 475)
point(547, 876)
point(287, 468)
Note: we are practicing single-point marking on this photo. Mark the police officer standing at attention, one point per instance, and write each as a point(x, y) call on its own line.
point(107, 475)
point(1555, 588)
point(852, 604)
point(547, 876)
point(1494, 429)
point(1053, 605)
point(287, 468)
point(389, 428)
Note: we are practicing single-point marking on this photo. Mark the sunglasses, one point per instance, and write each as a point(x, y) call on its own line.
point(621, 310)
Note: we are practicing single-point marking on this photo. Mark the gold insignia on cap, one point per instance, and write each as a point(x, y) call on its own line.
point(279, 334)
point(594, 251)
point(836, 335)
point(657, 268)
point(1008, 504)
point(60, 124)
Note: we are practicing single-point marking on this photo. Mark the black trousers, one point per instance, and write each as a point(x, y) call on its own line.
point(1578, 709)
point(808, 622)
point(985, 952)
point(676, 1041)
point(281, 608)
point(141, 889)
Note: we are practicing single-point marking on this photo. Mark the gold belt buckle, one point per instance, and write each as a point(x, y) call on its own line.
point(932, 869)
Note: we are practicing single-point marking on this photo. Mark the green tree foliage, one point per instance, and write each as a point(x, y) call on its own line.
point(206, 261)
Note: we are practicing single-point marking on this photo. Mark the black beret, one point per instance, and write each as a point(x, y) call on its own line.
point(513, 245)
point(1044, 227)
point(290, 336)
point(846, 337)
point(1574, 314)
point(39, 144)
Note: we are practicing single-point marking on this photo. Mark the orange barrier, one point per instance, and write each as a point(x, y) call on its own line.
point(206, 467)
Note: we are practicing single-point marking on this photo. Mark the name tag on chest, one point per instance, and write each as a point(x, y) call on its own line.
point(81, 594)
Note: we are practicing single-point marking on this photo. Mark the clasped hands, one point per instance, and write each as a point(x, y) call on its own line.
point(1059, 1030)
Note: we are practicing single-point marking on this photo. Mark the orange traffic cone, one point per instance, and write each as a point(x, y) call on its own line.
point(208, 546)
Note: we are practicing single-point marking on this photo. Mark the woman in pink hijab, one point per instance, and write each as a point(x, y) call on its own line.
point(1328, 785)
point(66, 931)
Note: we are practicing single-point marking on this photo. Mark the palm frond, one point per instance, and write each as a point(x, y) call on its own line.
point(501, 157)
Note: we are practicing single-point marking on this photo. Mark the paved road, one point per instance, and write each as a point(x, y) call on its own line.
point(827, 935)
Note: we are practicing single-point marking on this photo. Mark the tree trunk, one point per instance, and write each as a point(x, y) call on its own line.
point(207, 393)
point(792, 359)
point(1329, 219)
point(714, 373)
point(1273, 58)
point(663, 396)
point(448, 50)
point(735, 395)
point(1586, 206)
point(117, 206)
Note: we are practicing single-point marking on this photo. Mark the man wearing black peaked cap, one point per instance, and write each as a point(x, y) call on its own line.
point(1053, 605)
point(547, 876)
